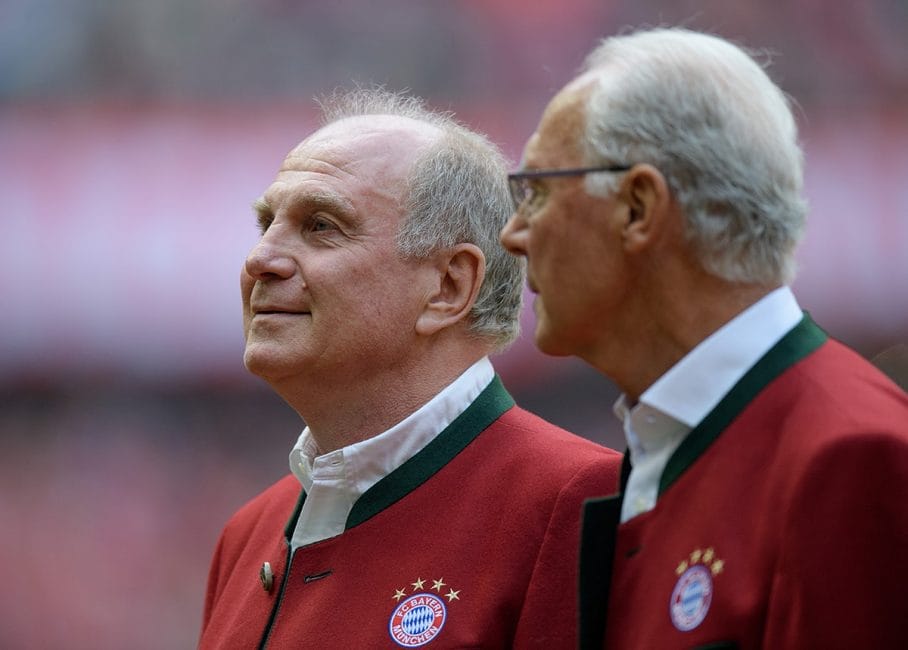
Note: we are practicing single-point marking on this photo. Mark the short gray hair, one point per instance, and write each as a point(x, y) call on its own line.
point(457, 193)
point(705, 113)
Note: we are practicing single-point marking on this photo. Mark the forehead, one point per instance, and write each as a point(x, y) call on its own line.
point(558, 140)
point(367, 144)
point(363, 161)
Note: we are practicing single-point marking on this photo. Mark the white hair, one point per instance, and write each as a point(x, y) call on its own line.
point(457, 193)
point(705, 113)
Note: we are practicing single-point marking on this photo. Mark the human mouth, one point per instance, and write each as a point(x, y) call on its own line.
point(269, 310)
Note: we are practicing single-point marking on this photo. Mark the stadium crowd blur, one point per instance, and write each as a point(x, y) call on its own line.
point(135, 135)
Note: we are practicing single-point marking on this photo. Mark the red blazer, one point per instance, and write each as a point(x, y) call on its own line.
point(782, 520)
point(473, 543)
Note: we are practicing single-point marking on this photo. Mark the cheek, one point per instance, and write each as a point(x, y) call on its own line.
point(551, 233)
point(552, 256)
point(387, 296)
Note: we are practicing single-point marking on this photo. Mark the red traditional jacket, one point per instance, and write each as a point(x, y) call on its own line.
point(781, 523)
point(472, 543)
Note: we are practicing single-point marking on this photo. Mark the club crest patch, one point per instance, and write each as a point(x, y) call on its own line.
point(693, 592)
point(420, 617)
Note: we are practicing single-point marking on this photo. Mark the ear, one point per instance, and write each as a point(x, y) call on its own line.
point(461, 270)
point(648, 198)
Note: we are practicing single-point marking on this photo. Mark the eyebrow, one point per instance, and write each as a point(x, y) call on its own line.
point(311, 202)
point(325, 202)
point(260, 205)
point(265, 214)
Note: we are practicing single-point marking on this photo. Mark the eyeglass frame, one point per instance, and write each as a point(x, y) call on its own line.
point(516, 177)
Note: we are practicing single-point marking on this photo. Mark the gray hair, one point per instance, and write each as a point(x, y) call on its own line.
point(457, 193)
point(705, 113)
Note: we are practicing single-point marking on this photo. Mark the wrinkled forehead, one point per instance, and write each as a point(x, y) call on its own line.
point(388, 141)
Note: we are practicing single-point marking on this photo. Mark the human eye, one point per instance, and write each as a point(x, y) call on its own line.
point(535, 194)
point(524, 193)
point(264, 222)
point(519, 191)
point(320, 222)
point(263, 215)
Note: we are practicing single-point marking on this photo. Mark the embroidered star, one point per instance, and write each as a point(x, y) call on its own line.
point(695, 556)
point(708, 556)
point(398, 594)
point(418, 584)
point(681, 568)
point(717, 567)
point(452, 595)
point(438, 584)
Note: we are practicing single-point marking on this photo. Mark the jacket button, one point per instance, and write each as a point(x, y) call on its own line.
point(266, 576)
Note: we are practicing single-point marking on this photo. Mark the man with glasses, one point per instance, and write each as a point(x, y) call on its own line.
point(424, 508)
point(763, 502)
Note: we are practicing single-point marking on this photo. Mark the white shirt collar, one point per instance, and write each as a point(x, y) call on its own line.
point(346, 473)
point(679, 400)
point(691, 388)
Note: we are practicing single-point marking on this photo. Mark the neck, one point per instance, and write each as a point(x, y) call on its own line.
point(668, 322)
point(343, 411)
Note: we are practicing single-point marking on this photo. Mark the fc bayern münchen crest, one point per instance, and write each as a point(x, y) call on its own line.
point(693, 592)
point(417, 620)
point(691, 598)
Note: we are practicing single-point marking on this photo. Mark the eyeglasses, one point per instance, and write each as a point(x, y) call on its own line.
point(525, 191)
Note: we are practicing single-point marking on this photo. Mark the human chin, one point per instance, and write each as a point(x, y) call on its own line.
point(256, 357)
point(547, 336)
point(267, 360)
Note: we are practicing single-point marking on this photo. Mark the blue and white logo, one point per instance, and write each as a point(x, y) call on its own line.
point(417, 620)
point(691, 598)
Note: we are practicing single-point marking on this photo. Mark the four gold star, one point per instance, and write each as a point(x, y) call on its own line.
point(452, 594)
point(707, 558)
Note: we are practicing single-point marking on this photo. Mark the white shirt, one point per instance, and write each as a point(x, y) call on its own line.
point(334, 481)
point(680, 399)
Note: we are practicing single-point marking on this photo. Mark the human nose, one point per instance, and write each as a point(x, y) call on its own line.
point(514, 235)
point(268, 260)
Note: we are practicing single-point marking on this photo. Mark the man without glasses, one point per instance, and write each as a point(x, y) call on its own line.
point(423, 508)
